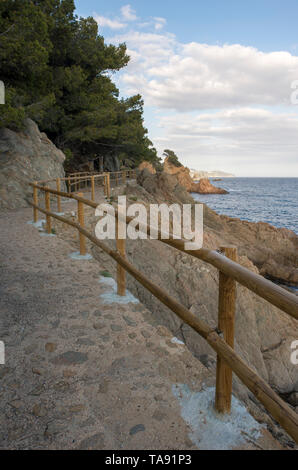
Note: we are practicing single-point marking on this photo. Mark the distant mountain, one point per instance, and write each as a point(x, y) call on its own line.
point(197, 174)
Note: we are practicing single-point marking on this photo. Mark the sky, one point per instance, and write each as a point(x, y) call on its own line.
point(219, 78)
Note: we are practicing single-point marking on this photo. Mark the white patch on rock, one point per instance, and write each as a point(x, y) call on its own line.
point(209, 429)
point(111, 296)
point(76, 255)
point(38, 224)
point(176, 340)
point(45, 234)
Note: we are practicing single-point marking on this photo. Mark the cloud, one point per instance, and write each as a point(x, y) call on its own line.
point(219, 106)
point(159, 23)
point(244, 140)
point(200, 76)
point(128, 13)
point(107, 22)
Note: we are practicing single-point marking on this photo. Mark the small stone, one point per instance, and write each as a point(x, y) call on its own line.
point(162, 330)
point(132, 335)
point(50, 347)
point(109, 316)
point(97, 313)
point(136, 429)
point(84, 314)
point(39, 410)
point(85, 341)
point(129, 321)
point(146, 333)
point(98, 326)
point(103, 387)
point(62, 386)
point(16, 404)
point(76, 408)
point(105, 338)
point(70, 358)
point(95, 442)
point(67, 373)
point(31, 348)
point(36, 371)
point(159, 415)
point(116, 328)
point(54, 428)
point(37, 390)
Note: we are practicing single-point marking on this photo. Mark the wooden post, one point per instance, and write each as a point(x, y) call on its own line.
point(68, 185)
point(48, 208)
point(82, 224)
point(121, 283)
point(92, 188)
point(108, 185)
point(35, 200)
point(105, 185)
point(124, 176)
point(226, 324)
point(58, 196)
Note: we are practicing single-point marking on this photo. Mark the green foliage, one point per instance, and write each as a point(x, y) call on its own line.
point(172, 157)
point(56, 68)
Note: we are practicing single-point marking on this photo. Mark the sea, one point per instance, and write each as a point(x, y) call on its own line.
point(271, 200)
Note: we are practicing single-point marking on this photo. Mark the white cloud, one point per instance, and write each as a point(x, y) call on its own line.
point(128, 13)
point(107, 22)
point(200, 76)
point(247, 141)
point(159, 23)
point(223, 106)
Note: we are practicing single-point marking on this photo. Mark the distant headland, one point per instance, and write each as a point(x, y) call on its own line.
point(197, 174)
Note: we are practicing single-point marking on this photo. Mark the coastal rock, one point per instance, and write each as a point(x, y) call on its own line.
point(184, 179)
point(25, 157)
point(180, 172)
point(205, 187)
point(148, 166)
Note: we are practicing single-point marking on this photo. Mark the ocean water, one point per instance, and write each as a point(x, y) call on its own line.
point(271, 200)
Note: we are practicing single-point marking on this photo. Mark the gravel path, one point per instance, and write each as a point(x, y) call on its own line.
point(80, 373)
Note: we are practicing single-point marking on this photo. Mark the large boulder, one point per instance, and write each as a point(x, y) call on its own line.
point(205, 187)
point(26, 156)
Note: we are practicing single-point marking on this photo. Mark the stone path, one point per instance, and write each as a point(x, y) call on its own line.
point(81, 373)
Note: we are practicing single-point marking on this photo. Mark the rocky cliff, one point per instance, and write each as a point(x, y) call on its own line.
point(26, 156)
point(148, 166)
point(184, 178)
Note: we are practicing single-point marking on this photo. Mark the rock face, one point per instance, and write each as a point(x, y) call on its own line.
point(180, 172)
point(183, 177)
point(25, 157)
point(148, 166)
point(205, 187)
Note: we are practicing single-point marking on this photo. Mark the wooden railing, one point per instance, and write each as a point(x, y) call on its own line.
point(78, 181)
point(220, 339)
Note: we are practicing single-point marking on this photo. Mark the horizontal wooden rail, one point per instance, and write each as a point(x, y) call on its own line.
point(276, 295)
point(280, 411)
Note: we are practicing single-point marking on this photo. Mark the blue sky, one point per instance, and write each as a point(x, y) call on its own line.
point(215, 77)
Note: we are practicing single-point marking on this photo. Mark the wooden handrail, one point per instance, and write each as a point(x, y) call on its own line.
point(283, 414)
point(276, 295)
